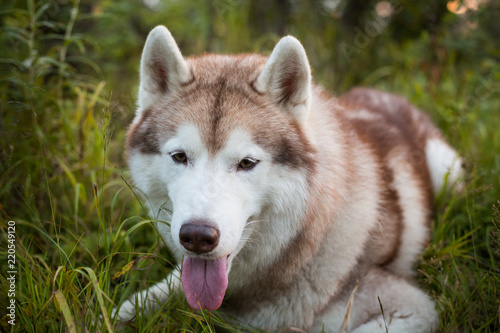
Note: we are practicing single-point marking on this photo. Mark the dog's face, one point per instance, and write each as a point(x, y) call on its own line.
point(215, 139)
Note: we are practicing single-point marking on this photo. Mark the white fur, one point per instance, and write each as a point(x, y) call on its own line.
point(406, 308)
point(286, 200)
point(443, 160)
point(412, 201)
point(364, 114)
point(212, 188)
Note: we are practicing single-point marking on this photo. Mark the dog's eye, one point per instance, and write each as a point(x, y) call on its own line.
point(179, 157)
point(247, 164)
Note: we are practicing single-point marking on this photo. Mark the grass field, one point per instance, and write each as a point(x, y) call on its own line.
point(84, 243)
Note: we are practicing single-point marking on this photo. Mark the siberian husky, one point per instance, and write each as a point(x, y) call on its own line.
point(286, 207)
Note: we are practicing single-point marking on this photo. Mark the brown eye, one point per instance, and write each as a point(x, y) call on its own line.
point(247, 164)
point(179, 157)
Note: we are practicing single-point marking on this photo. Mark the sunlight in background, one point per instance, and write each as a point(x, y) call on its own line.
point(383, 8)
point(152, 4)
point(331, 5)
point(462, 6)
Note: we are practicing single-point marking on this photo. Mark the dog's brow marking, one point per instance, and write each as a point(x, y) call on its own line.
point(228, 88)
point(220, 90)
point(217, 113)
point(142, 135)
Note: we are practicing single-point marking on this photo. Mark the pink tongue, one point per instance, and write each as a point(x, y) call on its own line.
point(204, 282)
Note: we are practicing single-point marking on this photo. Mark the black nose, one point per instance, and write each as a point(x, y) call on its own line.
point(199, 237)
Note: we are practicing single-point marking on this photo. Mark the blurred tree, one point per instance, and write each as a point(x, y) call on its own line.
point(348, 40)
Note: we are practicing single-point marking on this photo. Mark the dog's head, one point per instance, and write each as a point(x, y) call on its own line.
point(218, 140)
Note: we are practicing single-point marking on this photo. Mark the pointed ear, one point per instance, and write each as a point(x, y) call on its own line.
point(163, 69)
point(286, 78)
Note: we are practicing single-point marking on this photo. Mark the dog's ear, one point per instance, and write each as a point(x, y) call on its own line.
point(163, 69)
point(286, 77)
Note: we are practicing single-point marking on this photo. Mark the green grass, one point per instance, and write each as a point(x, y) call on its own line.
point(84, 243)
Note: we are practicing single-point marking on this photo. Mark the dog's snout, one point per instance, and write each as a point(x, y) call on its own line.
point(199, 237)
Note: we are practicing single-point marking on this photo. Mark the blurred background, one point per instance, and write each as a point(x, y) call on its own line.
point(68, 83)
point(349, 42)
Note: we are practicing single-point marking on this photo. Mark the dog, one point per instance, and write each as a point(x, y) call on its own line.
point(286, 207)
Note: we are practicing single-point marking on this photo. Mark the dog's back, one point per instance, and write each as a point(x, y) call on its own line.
point(429, 150)
point(415, 160)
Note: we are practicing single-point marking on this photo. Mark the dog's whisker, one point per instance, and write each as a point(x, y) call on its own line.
point(253, 222)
